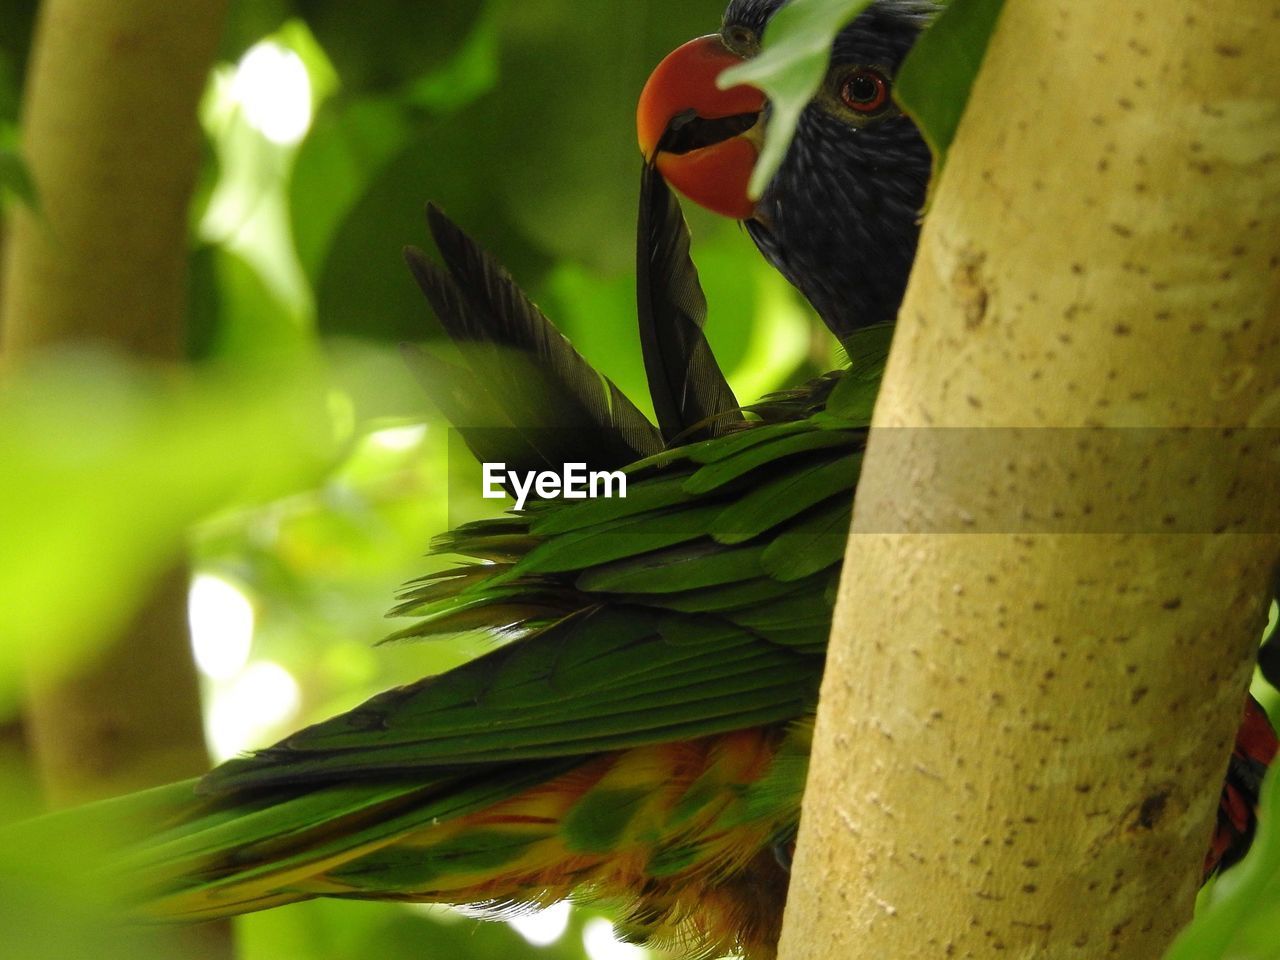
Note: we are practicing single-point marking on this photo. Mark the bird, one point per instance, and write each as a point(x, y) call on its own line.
point(840, 218)
point(640, 732)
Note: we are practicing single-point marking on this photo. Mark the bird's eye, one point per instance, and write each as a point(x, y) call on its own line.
point(865, 91)
point(739, 38)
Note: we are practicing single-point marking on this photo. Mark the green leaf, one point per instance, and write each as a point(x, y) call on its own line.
point(1243, 915)
point(934, 82)
point(349, 143)
point(16, 182)
point(563, 117)
point(797, 49)
point(233, 312)
point(248, 21)
point(385, 44)
point(107, 465)
point(18, 17)
point(53, 905)
point(471, 71)
point(362, 286)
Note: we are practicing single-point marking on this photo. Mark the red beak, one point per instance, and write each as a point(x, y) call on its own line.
point(694, 130)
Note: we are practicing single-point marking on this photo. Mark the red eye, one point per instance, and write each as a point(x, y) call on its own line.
point(865, 91)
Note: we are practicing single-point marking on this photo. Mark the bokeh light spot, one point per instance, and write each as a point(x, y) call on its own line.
point(221, 621)
point(272, 86)
point(399, 439)
point(544, 927)
point(264, 696)
point(601, 944)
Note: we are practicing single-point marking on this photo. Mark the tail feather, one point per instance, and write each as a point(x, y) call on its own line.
point(235, 853)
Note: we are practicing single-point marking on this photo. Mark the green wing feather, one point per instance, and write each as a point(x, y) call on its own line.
point(625, 644)
point(697, 605)
point(604, 668)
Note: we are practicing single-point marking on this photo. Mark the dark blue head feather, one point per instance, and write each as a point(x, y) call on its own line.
point(839, 219)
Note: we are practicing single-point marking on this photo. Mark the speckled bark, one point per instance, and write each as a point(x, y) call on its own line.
point(1023, 728)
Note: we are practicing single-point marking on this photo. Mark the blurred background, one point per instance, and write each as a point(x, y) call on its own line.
point(327, 125)
point(286, 473)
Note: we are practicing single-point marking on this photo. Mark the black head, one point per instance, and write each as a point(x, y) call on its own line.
point(840, 218)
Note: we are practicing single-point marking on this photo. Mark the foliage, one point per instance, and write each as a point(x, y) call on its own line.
point(1242, 916)
point(15, 180)
point(934, 83)
point(290, 456)
point(796, 52)
point(161, 456)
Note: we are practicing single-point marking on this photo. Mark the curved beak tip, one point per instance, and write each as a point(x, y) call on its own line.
point(703, 139)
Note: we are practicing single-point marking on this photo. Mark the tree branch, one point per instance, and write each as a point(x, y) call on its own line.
point(1023, 728)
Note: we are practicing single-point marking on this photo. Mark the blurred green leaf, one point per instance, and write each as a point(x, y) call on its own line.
point(232, 312)
point(363, 288)
point(15, 181)
point(54, 903)
point(471, 71)
point(349, 142)
point(789, 68)
point(562, 140)
point(558, 185)
point(296, 35)
point(18, 18)
point(934, 83)
point(10, 88)
point(249, 21)
point(1243, 918)
point(48, 911)
point(380, 45)
point(107, 465)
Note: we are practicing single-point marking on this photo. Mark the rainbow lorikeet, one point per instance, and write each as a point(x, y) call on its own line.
point(642, 733)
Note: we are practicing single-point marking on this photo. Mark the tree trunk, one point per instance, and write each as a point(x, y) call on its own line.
point(1044, 631)
point(111, 137)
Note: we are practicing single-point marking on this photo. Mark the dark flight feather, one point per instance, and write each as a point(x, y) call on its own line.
point(477, 417)
point(525, 378)
point(690, 394)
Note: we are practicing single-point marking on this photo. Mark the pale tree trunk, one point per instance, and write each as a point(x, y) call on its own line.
point(112, 141)
point(1023, 729)
point(110, 135)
